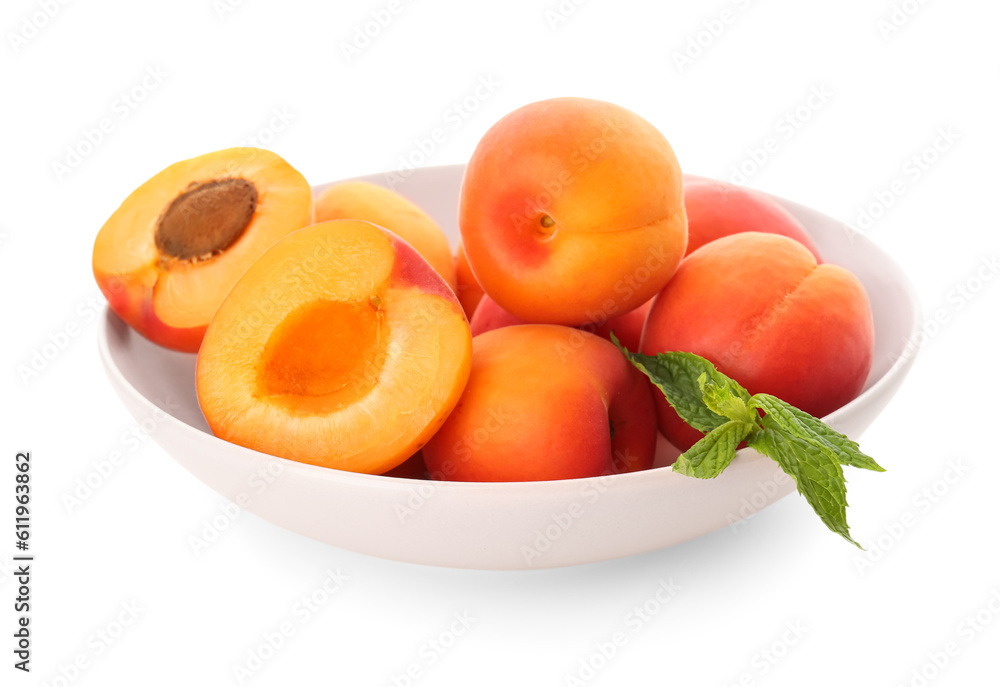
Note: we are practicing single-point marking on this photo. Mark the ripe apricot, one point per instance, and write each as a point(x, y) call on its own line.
point(386, 208)
point(339, 347)
point(168, 256)
point(572, 207)
point(545, 402)
point(759, 307)
point(716, 209)
point(468, 290)
point(628, 327)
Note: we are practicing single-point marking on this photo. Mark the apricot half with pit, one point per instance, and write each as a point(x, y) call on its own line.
point(168, 256)
point(339, 347)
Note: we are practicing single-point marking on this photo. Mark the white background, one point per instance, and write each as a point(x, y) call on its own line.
point(223, 75)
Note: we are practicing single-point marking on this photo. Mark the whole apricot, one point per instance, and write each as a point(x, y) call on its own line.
point(571, 209)
point(761, 309)
point(545, 402)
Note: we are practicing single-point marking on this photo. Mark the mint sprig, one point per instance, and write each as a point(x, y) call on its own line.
point(808, 450)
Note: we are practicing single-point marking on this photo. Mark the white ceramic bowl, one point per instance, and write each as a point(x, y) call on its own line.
point(501, 525)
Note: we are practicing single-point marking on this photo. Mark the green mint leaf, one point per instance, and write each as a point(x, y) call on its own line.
point(676, 375)
point(717, 393)
point(808, 450)
point(714, 452)
point(817, 474)
point(808, 428)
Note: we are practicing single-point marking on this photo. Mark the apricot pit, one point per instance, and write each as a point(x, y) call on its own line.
point(207, 219)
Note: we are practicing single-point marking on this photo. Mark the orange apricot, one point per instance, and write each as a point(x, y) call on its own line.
point(545, 402)
point(386, 208)
point(761, 309)
point(168, 256)
point(339, 347)
point(716, 209)
point(572, 207)
point(628, 327)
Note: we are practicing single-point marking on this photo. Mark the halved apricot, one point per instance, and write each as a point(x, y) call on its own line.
point(339, 347)
point(386, 208)
point(168, 256)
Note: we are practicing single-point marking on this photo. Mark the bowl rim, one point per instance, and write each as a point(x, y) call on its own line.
point(897, 369)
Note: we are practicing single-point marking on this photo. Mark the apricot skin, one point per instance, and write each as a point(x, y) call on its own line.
point(386, 208)
point(628, 327)
point(468, 289)
point(540, 404)
point(759, 307)
point(571, 207)
point(716, 209)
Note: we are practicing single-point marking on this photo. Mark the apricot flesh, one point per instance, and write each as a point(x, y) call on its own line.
point(339, 347)
point(167, 257)
point(388, 209)
point(761, 309)
point(570, 207)
point(545, 402)
point(304, 355)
